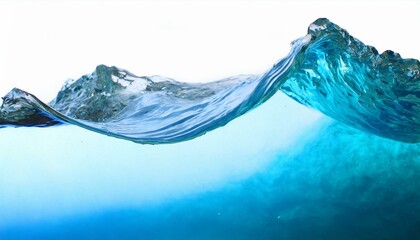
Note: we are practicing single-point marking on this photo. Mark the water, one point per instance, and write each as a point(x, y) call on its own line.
point(280, 171)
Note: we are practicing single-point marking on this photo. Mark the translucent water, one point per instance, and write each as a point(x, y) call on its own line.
point(280, 171)
point(327, 69)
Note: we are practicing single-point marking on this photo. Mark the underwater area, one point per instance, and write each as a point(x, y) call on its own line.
point(323, 145)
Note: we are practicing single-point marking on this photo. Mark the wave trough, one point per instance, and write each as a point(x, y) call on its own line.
point(327, 69)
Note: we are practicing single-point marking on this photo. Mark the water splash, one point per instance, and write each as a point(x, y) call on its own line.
point(327, 69)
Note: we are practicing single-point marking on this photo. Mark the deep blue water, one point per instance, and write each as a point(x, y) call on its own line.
point(340, 183)
point(335, 155)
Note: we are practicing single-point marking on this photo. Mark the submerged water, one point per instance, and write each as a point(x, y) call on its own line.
point(281, 171)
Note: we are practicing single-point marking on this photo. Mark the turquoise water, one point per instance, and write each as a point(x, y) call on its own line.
point(246, 161)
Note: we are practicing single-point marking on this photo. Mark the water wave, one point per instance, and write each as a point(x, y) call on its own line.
point(327, 69)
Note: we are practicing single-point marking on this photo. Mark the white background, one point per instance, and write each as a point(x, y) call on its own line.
point(44, 43)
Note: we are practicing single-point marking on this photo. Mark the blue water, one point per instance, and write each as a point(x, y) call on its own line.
point(344, 168)
point(327, 69)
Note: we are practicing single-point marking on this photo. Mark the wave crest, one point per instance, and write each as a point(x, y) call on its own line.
point(328, 70)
